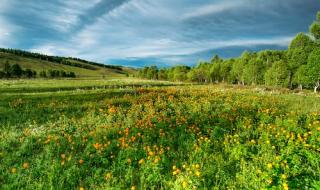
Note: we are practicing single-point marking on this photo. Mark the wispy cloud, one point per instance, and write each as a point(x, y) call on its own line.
point(150, 30)
point(213, 8)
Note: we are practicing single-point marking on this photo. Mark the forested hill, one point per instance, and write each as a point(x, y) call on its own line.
point(44, 63)
point(297, 67)
point(61, 60)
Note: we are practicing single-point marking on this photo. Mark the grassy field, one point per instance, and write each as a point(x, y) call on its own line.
point(133, 134)
point(43, 65)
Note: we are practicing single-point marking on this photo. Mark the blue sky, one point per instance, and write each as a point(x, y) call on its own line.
point(148, 32)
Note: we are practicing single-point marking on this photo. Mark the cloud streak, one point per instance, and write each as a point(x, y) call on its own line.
point(159, 31)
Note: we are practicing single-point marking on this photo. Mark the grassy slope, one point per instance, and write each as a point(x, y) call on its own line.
point(40, 65)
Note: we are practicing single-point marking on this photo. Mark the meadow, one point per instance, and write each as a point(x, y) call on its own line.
point(137, 134)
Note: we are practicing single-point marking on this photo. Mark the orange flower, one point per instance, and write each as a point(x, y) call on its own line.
point(25, 165)
point(97, 146)
point(81, 161)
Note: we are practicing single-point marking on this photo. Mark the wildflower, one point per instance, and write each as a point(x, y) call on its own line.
point(285, 186)
point(269, 166)
point(156, 160)
point(108, 176)
point(96, 146)
point(176, 172)
point(25, 165)
point(133, 188)
point(14, 170)
point(63, 156)
point(81, 161)
point(184, 184)
point(81, 188)
point(197, 173)
point(141, 161)
point(283, 176)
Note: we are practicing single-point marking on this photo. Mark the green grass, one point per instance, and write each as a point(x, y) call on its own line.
point(40, 65)
point(135, 134)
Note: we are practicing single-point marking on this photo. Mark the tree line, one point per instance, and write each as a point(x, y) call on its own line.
point(57, 74)
point(15, 71)
point(60, 60)
point(297, 67)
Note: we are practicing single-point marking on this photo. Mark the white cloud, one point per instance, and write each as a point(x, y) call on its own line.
point(211, 9)
point(158, 29)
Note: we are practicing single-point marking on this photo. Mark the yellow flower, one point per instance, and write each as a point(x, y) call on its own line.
point(156, 160)
point(285, 186)
point(283, 176)
point(197, 173)
point(81, 188)
point(25, 165)
point(63, 156)
point(108, 176)
point(133, 188)
point(141, 161)
point(14, 170)
point(269, 166)
point(184, 184)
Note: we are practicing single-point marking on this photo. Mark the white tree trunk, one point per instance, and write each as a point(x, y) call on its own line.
point(316, 87)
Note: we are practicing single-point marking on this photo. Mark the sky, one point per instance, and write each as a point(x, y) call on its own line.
point(152, 32)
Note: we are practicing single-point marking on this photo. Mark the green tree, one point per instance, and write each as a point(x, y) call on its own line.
point(16, 71)
point(43, 74)
point(277, 75)
point(152, 73)
point(180, 73)
point(300, 77)
point(163, 74)
point(237, 71)
point(6, 69)
point(315, 27)
point(299, 50)
point(313, 69)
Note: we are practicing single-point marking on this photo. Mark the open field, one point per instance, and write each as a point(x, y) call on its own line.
point(134, 134)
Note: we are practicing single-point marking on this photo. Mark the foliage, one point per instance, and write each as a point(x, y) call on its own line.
point(179, 137)
point(15, 71)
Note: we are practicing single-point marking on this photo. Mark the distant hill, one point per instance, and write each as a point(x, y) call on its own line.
point(82, 68)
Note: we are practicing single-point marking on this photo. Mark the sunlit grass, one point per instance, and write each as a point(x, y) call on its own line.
point(153, 136)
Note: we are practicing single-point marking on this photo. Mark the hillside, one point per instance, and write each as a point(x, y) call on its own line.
point(82, 68)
